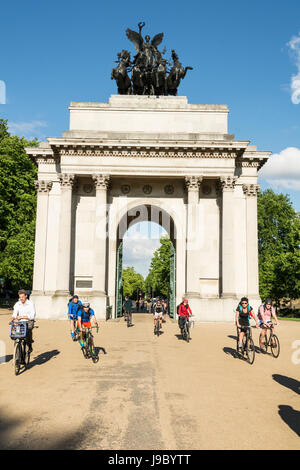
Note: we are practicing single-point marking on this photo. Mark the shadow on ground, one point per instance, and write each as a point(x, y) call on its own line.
point(6, 358)
point(43, 358)
point(287, 382)
point(291, 417)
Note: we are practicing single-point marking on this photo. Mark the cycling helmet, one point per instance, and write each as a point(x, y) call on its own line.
point(85, 304)
point(244, 299)
point(268, 301)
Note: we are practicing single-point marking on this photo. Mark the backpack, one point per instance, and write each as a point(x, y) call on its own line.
point(178, 308)
point(249, 308)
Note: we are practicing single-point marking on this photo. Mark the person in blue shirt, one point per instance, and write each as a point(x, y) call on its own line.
point(73, 308)
point(85, 315)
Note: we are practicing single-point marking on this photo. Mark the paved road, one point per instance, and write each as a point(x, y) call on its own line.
point(148, 392)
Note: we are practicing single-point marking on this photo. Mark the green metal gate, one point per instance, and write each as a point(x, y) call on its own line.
point(172, 292)
point(119, 281)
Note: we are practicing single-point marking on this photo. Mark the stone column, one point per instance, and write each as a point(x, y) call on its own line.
point(99, 284)
point(251, 191)
point(64, 241)
point(228, 258)
point(43, 188)
point(192, 259)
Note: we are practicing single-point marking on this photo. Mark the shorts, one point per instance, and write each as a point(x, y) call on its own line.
point(158, 315)
point(86, 324)
point(73, 317)
point(261, 324)
point(244, 328)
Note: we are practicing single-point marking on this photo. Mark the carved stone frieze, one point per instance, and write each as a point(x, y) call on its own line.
point(145, 152)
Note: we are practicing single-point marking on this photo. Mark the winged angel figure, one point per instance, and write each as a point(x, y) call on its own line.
point(147, 53)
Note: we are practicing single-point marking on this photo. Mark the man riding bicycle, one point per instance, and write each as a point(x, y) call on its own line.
point(73, 308)
point(128, 308)
point(244, 312)
point(265, 313)
point(158, 314)
point(24, 311)
point(85, 314)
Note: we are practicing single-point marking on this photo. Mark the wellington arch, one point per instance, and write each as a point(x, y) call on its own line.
point(131, 157)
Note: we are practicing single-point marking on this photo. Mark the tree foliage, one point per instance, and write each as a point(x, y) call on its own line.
point(17, 210)
point(158, 279)
point(132, 281)
point(278, 246)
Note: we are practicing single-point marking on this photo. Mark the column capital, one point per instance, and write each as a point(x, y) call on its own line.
point(101, 181)
point(43, 186)
point(227, 183)
point(192, 183)
point(251, 189)
point(66, 180)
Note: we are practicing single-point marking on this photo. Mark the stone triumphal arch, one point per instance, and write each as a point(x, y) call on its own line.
point(143, 158)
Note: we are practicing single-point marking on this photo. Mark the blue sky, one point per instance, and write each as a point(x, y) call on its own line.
point(245, 54)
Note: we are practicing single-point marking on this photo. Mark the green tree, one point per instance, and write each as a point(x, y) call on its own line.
point(278, 246)
point(17, 209)
point(158, 278)
point(132, 281)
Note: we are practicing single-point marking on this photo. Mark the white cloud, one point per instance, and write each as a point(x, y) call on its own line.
point(27, 129)
point(294, 46)
point(282, 170)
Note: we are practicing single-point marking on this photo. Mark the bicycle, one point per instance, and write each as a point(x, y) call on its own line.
point(21, 356)
point(247, 344)
point(128, 316)
point(272, 342)
point(88, 348)
point(157, 327)
point(185, 328)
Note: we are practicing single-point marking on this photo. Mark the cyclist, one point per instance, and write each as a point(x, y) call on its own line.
point(73, 308)
point(85, 314)
point(158, 314)
point(24, 311)
point(242, 318)
point(184, 311)
point(265, 313)
point(128, 308)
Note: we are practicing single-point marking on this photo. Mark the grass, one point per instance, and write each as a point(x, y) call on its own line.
point(289, 318)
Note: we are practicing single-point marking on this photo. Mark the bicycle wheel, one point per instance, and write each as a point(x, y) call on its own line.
point(275, 348)
point(186, 333)
point(84, 352)
point(26, 354)
point(90, 346)
point(17, 357)
point(250, 351)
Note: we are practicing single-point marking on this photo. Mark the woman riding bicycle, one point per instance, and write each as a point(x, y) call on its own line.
point(265, 314)
point(184, 311)
point(242, 318)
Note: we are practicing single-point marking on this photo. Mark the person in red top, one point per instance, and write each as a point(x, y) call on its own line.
point(184, 310)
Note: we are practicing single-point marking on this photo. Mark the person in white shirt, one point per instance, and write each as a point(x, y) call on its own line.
point(24, 311)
